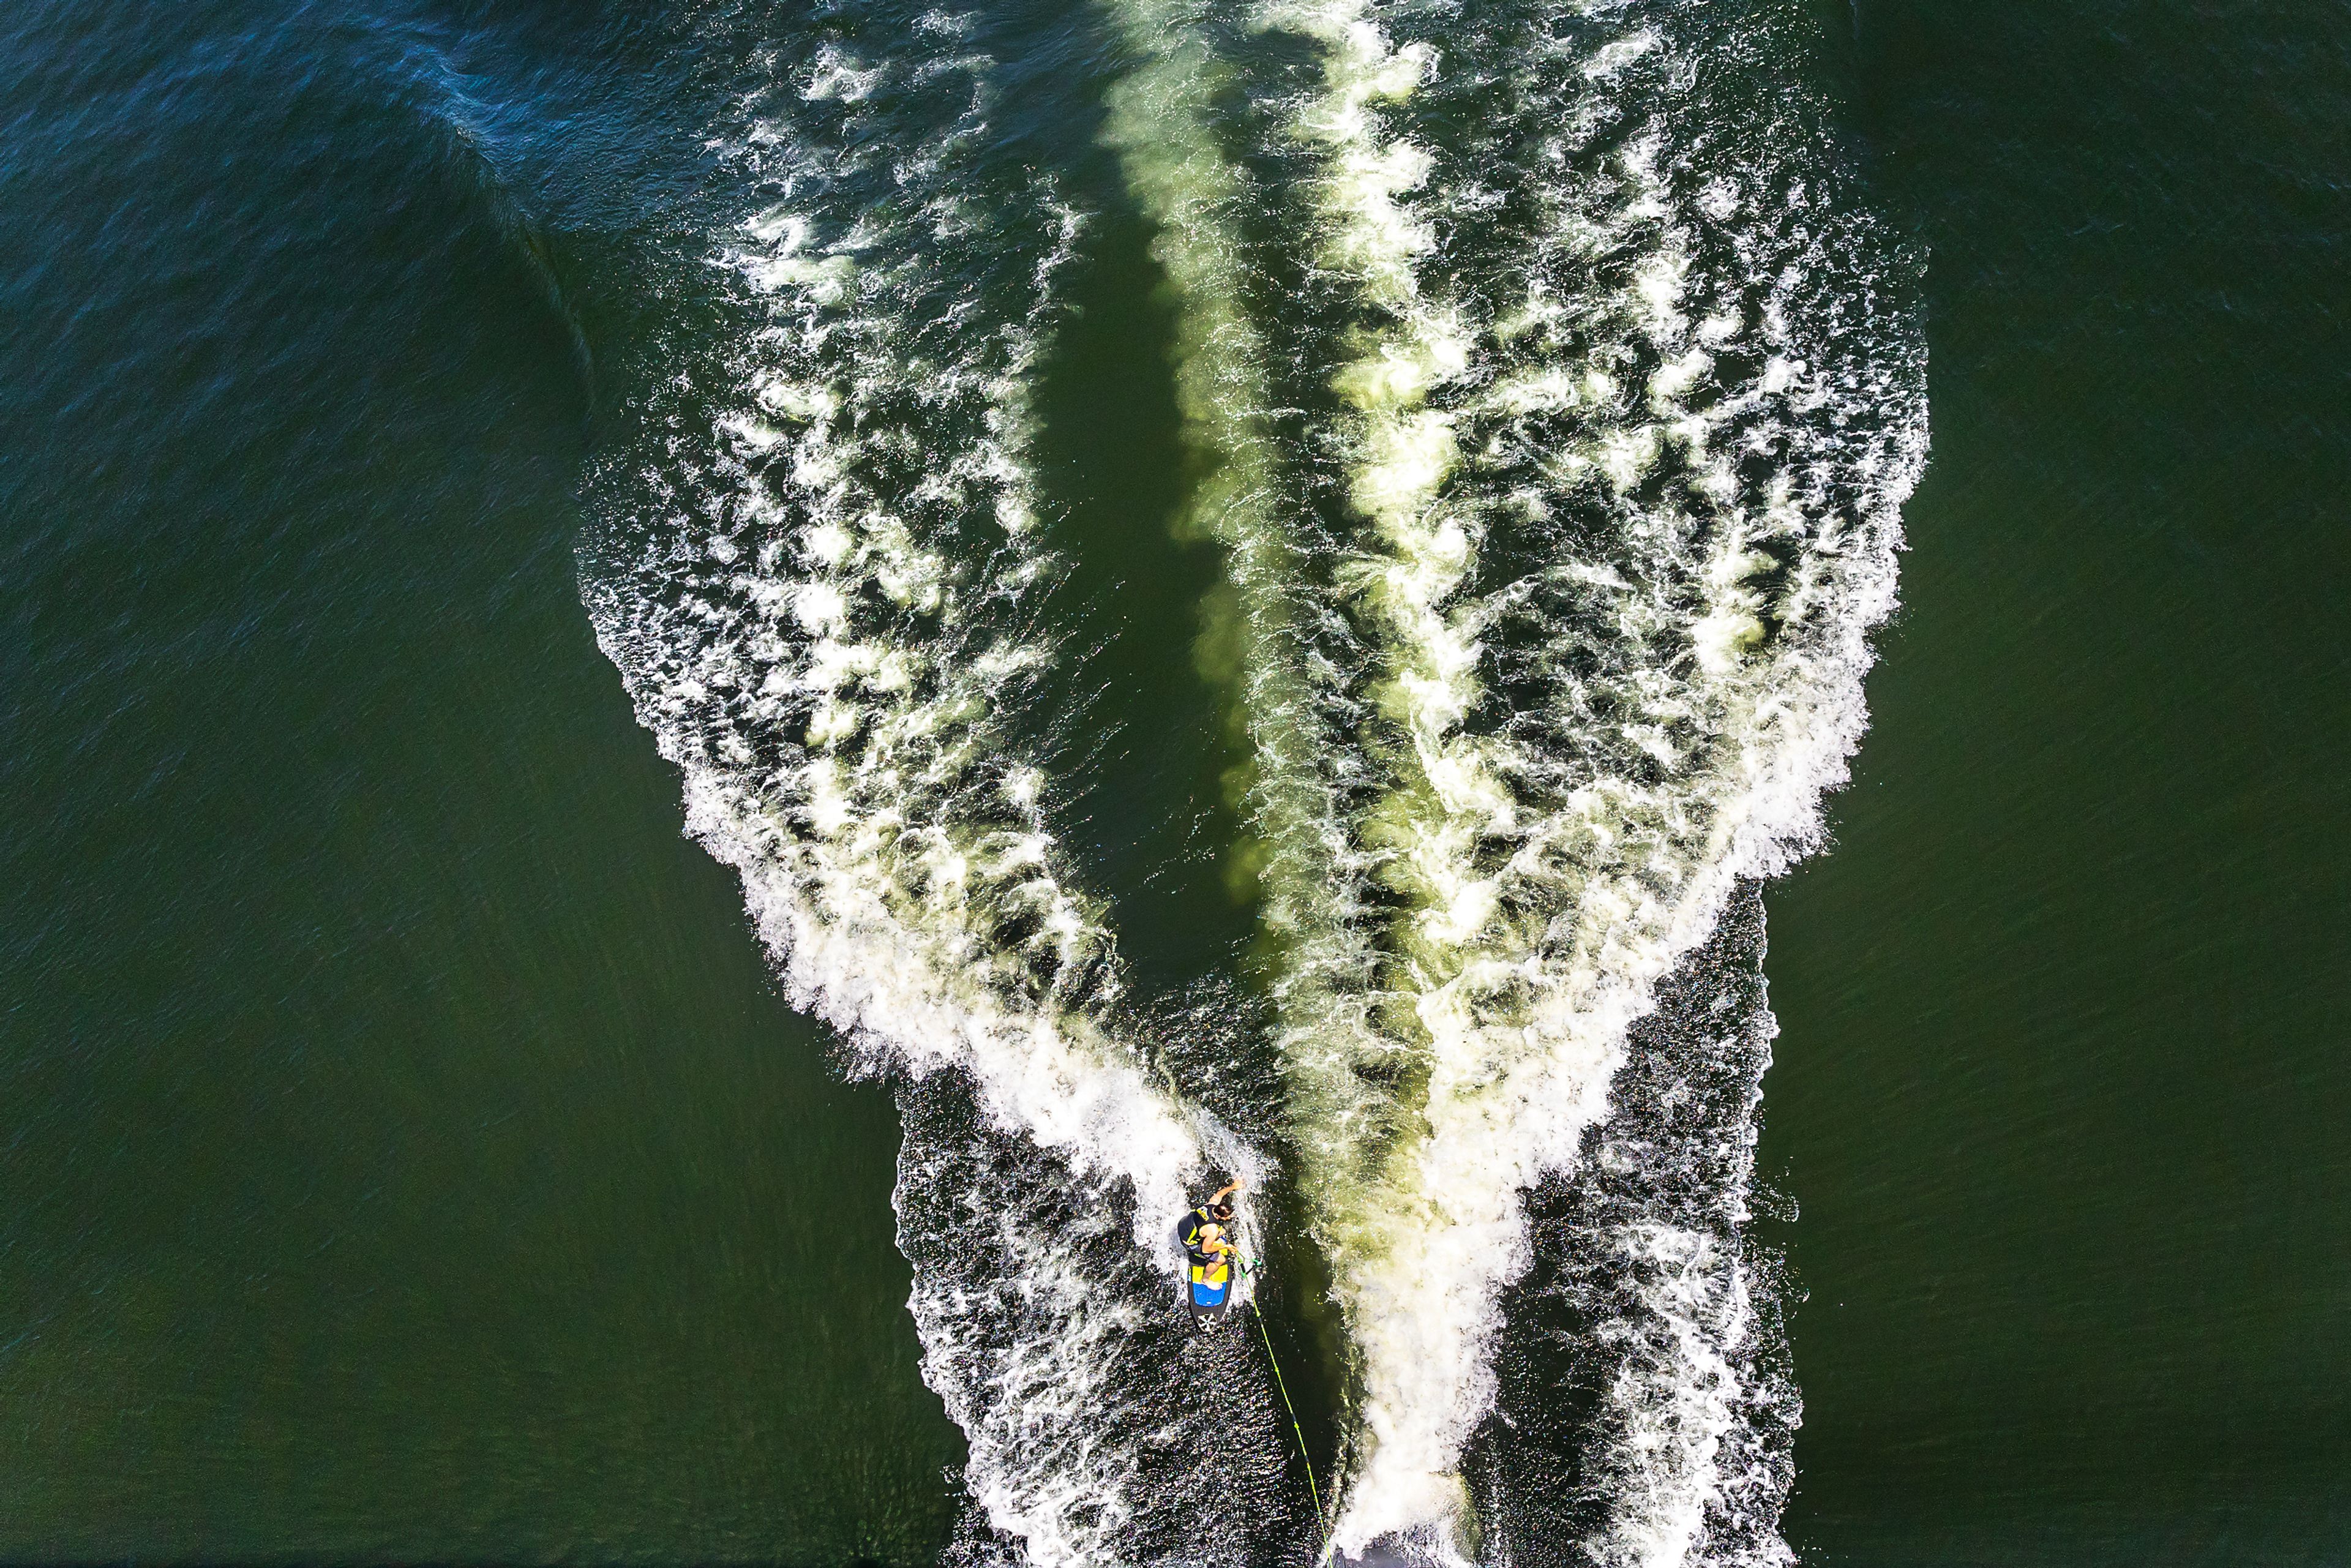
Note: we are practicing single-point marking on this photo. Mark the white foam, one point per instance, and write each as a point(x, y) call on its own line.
point(1547, 889)
point(825, 663)
point(824, 660)
point(1679, 1396)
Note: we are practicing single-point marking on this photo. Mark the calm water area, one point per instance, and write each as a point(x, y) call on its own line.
point(407, 1148)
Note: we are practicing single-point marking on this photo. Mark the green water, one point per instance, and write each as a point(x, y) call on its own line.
point(2061, 1089)
point(406, 1152)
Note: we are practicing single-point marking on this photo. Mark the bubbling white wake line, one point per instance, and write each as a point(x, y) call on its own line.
point(893, 847)
point(824, 601)
point(1678, 1397)
point(1163, 124)
point(1685, 670)
point(1417, 1280)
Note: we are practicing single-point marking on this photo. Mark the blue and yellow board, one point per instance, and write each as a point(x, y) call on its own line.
point(1208, 1288)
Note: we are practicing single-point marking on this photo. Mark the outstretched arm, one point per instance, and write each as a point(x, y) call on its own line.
point(1227, 1190)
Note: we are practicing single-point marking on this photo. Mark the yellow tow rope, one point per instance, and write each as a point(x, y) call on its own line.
point(1278, 1382)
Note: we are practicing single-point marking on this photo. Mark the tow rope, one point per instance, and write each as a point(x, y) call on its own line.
point(1313, 1489)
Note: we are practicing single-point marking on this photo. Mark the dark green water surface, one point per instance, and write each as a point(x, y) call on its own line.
point(405, 1152)
point(2061, 1087)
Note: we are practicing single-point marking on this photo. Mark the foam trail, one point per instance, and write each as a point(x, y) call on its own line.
point(1251, 500)
point(842, 609)
point(1693, 468)
point(823, 584)
point(1678, 1447)
point(1557, 476)
point(1421, 1376)
point(1300, 718)
point(1161, 122)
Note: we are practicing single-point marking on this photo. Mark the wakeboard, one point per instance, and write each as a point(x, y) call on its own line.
point(1208, 1288)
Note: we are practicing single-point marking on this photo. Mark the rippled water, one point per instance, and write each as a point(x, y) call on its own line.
point(1256, 590)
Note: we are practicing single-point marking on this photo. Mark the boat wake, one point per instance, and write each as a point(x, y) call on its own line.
point(1554, 401)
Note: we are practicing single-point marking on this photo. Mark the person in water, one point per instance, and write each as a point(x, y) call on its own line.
point(1203, 1230)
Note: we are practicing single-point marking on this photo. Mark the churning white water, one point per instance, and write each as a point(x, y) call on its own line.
point(1553, 404)
point(822, 605)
